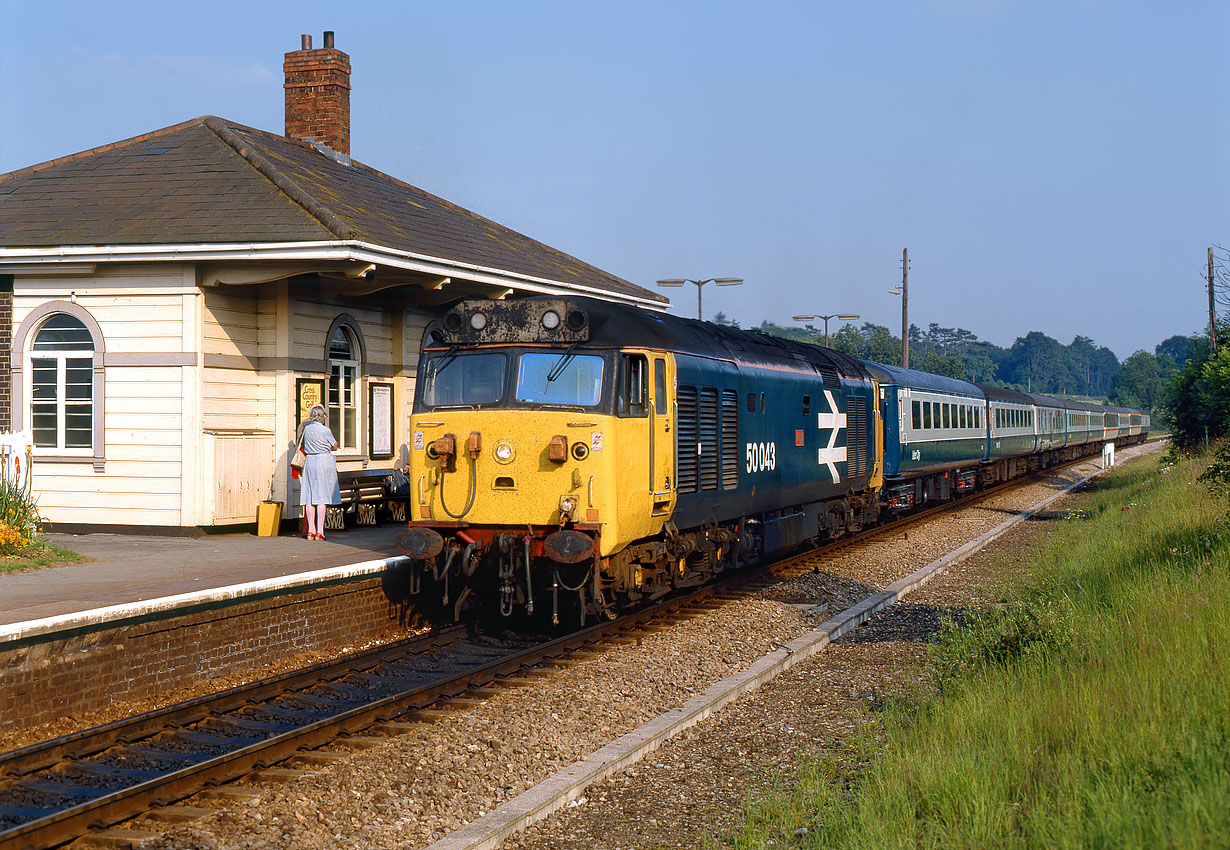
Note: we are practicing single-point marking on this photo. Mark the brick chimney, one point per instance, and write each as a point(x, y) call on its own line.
point(318, 95)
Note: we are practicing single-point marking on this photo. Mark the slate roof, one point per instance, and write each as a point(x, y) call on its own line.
point(209, 180)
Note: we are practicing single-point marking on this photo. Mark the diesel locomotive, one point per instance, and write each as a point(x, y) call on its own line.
point(573, 452)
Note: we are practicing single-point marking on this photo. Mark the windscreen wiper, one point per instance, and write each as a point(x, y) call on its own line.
point(438, 363)
point(560, 365)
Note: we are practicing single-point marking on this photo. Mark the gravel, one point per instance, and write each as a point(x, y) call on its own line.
point(426, 782)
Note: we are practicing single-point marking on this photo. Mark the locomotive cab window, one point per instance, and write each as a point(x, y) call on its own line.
point(633, 385)
point(559, 379)
point(462, 380)
point(660, 404)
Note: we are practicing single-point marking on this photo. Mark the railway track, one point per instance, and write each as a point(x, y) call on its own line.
point(54, 792)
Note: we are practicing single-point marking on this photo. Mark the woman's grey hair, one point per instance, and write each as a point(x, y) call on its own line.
point(317, 413)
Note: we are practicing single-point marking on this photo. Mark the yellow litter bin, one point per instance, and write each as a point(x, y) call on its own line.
point(268, 518)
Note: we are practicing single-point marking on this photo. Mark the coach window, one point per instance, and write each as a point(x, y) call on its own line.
point(633, 385)
point(926, 414)
point(917, 419)
point(947, 415)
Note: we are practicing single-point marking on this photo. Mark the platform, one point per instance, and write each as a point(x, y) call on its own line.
point(128, 568)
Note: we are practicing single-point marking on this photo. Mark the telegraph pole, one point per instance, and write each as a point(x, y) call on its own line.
point(1212, 309)
point(905, 305)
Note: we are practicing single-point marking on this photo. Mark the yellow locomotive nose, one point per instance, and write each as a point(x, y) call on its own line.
point(507, 471)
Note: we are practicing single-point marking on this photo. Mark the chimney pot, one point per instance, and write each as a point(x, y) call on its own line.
point(328, 39)
point(305, 42)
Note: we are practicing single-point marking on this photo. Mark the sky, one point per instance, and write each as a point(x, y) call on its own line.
point(1052, 165)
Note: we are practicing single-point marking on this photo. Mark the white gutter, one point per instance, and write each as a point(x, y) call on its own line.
point(336, 250)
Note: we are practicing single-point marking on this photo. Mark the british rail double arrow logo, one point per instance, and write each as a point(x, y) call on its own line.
point(834, 422)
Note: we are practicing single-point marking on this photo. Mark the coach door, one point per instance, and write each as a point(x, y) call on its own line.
point(662, 437)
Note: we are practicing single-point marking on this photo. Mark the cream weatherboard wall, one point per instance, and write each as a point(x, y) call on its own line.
point(148, 319)
point(238, 405)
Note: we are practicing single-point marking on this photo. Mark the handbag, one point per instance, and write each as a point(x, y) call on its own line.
point(299, 458)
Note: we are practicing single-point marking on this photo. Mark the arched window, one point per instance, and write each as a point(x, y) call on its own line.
point(62, 384)
point(344, 361)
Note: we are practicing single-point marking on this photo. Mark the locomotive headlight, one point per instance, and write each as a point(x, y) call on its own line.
point(504, 452)
point(478, 321)
point(550, 320)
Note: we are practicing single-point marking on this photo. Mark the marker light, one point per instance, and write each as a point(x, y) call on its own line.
point(550, 320)
point(504, 452)
point(478, 321)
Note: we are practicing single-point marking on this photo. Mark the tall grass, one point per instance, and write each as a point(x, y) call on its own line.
point(1092, 710)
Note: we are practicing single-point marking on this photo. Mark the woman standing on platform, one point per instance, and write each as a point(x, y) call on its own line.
point(318, 486)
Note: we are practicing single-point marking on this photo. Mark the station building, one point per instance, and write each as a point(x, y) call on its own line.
point(171, 304)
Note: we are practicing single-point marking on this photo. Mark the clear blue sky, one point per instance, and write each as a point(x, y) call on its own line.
point(1053, 165)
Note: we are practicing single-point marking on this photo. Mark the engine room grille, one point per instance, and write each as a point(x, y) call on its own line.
point(708, 438)
point(686, 440)
point(832, 380)
point(730, 439)
point(856, 436)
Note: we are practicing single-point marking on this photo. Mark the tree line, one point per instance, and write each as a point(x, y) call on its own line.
point(1034, 363)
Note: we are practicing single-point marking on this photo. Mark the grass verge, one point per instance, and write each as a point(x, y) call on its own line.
point(1090, 710)
point(36, 556)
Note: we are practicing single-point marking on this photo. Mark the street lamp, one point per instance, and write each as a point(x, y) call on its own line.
point(903, 289)
point(720, 281)
point(844, 317)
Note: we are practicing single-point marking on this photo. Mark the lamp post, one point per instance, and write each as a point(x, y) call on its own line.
point(720, 281)
point(844, 317)
point(903, 289)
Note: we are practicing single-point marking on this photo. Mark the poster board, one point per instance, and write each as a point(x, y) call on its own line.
point(308, 391)
point(380, 420)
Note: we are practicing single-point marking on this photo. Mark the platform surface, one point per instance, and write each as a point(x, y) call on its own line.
point(127, 568)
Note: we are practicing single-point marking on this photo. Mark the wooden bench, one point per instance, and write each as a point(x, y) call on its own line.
point(365, 493)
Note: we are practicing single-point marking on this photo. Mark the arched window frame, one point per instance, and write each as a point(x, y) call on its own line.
point(23, 338)
point(337, 400)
